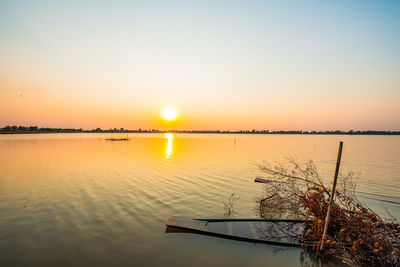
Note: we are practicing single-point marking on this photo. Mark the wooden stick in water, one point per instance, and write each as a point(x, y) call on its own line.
point(331, 197)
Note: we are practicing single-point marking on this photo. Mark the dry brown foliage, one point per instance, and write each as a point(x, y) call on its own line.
point(355, 232)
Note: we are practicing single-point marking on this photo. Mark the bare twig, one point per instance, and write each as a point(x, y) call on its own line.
point(229, 205)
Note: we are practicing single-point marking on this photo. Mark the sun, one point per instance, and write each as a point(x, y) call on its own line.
point(169, 114)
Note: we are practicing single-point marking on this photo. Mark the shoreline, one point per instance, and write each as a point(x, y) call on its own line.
point(215, 132)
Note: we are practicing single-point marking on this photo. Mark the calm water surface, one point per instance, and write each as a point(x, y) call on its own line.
point(78, 200)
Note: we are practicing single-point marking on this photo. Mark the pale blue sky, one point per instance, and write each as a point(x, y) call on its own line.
point(222, 64)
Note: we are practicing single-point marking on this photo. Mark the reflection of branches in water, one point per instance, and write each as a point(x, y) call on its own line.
point(278, 249)
point(292, 230)
point(229, 205)
point(281, 231)
point(309, 260)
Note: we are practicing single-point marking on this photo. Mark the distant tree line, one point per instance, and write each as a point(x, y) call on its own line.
point(34, 129)
point(336, 132)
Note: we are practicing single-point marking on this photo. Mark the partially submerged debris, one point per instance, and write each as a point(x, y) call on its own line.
point(294, 189)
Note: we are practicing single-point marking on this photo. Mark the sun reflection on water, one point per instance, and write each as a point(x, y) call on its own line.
point(169, 136)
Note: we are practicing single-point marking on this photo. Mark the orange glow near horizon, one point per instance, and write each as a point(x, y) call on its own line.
point(261, 74)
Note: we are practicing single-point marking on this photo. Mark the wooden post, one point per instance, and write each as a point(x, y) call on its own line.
point(328, 214)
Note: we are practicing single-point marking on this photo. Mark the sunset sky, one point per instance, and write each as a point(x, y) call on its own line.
point(277, 65)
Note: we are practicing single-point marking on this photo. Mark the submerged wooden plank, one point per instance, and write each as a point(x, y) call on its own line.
point(280, 233)
point(182, 222)
point(251, 220)
point(230, 232)
point(253, 231)
point(238, 229)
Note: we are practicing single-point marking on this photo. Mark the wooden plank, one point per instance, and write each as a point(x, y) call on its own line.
point(251, 220)
point(187, 223)
point(253, 231)
point(282, 236)
point(200, 226)
point(230, 232)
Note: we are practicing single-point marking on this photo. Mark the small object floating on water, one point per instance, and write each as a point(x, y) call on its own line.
point(281, 232)
point(261, 180)
point(117, 139)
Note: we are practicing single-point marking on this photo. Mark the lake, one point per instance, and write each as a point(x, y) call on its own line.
point(79, 200)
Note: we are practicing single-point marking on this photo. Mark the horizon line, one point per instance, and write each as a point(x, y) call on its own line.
point(35, 129)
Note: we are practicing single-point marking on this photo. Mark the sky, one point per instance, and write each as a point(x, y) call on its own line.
point(228, 65)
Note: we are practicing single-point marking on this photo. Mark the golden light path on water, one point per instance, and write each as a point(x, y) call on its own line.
point(169, 136)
